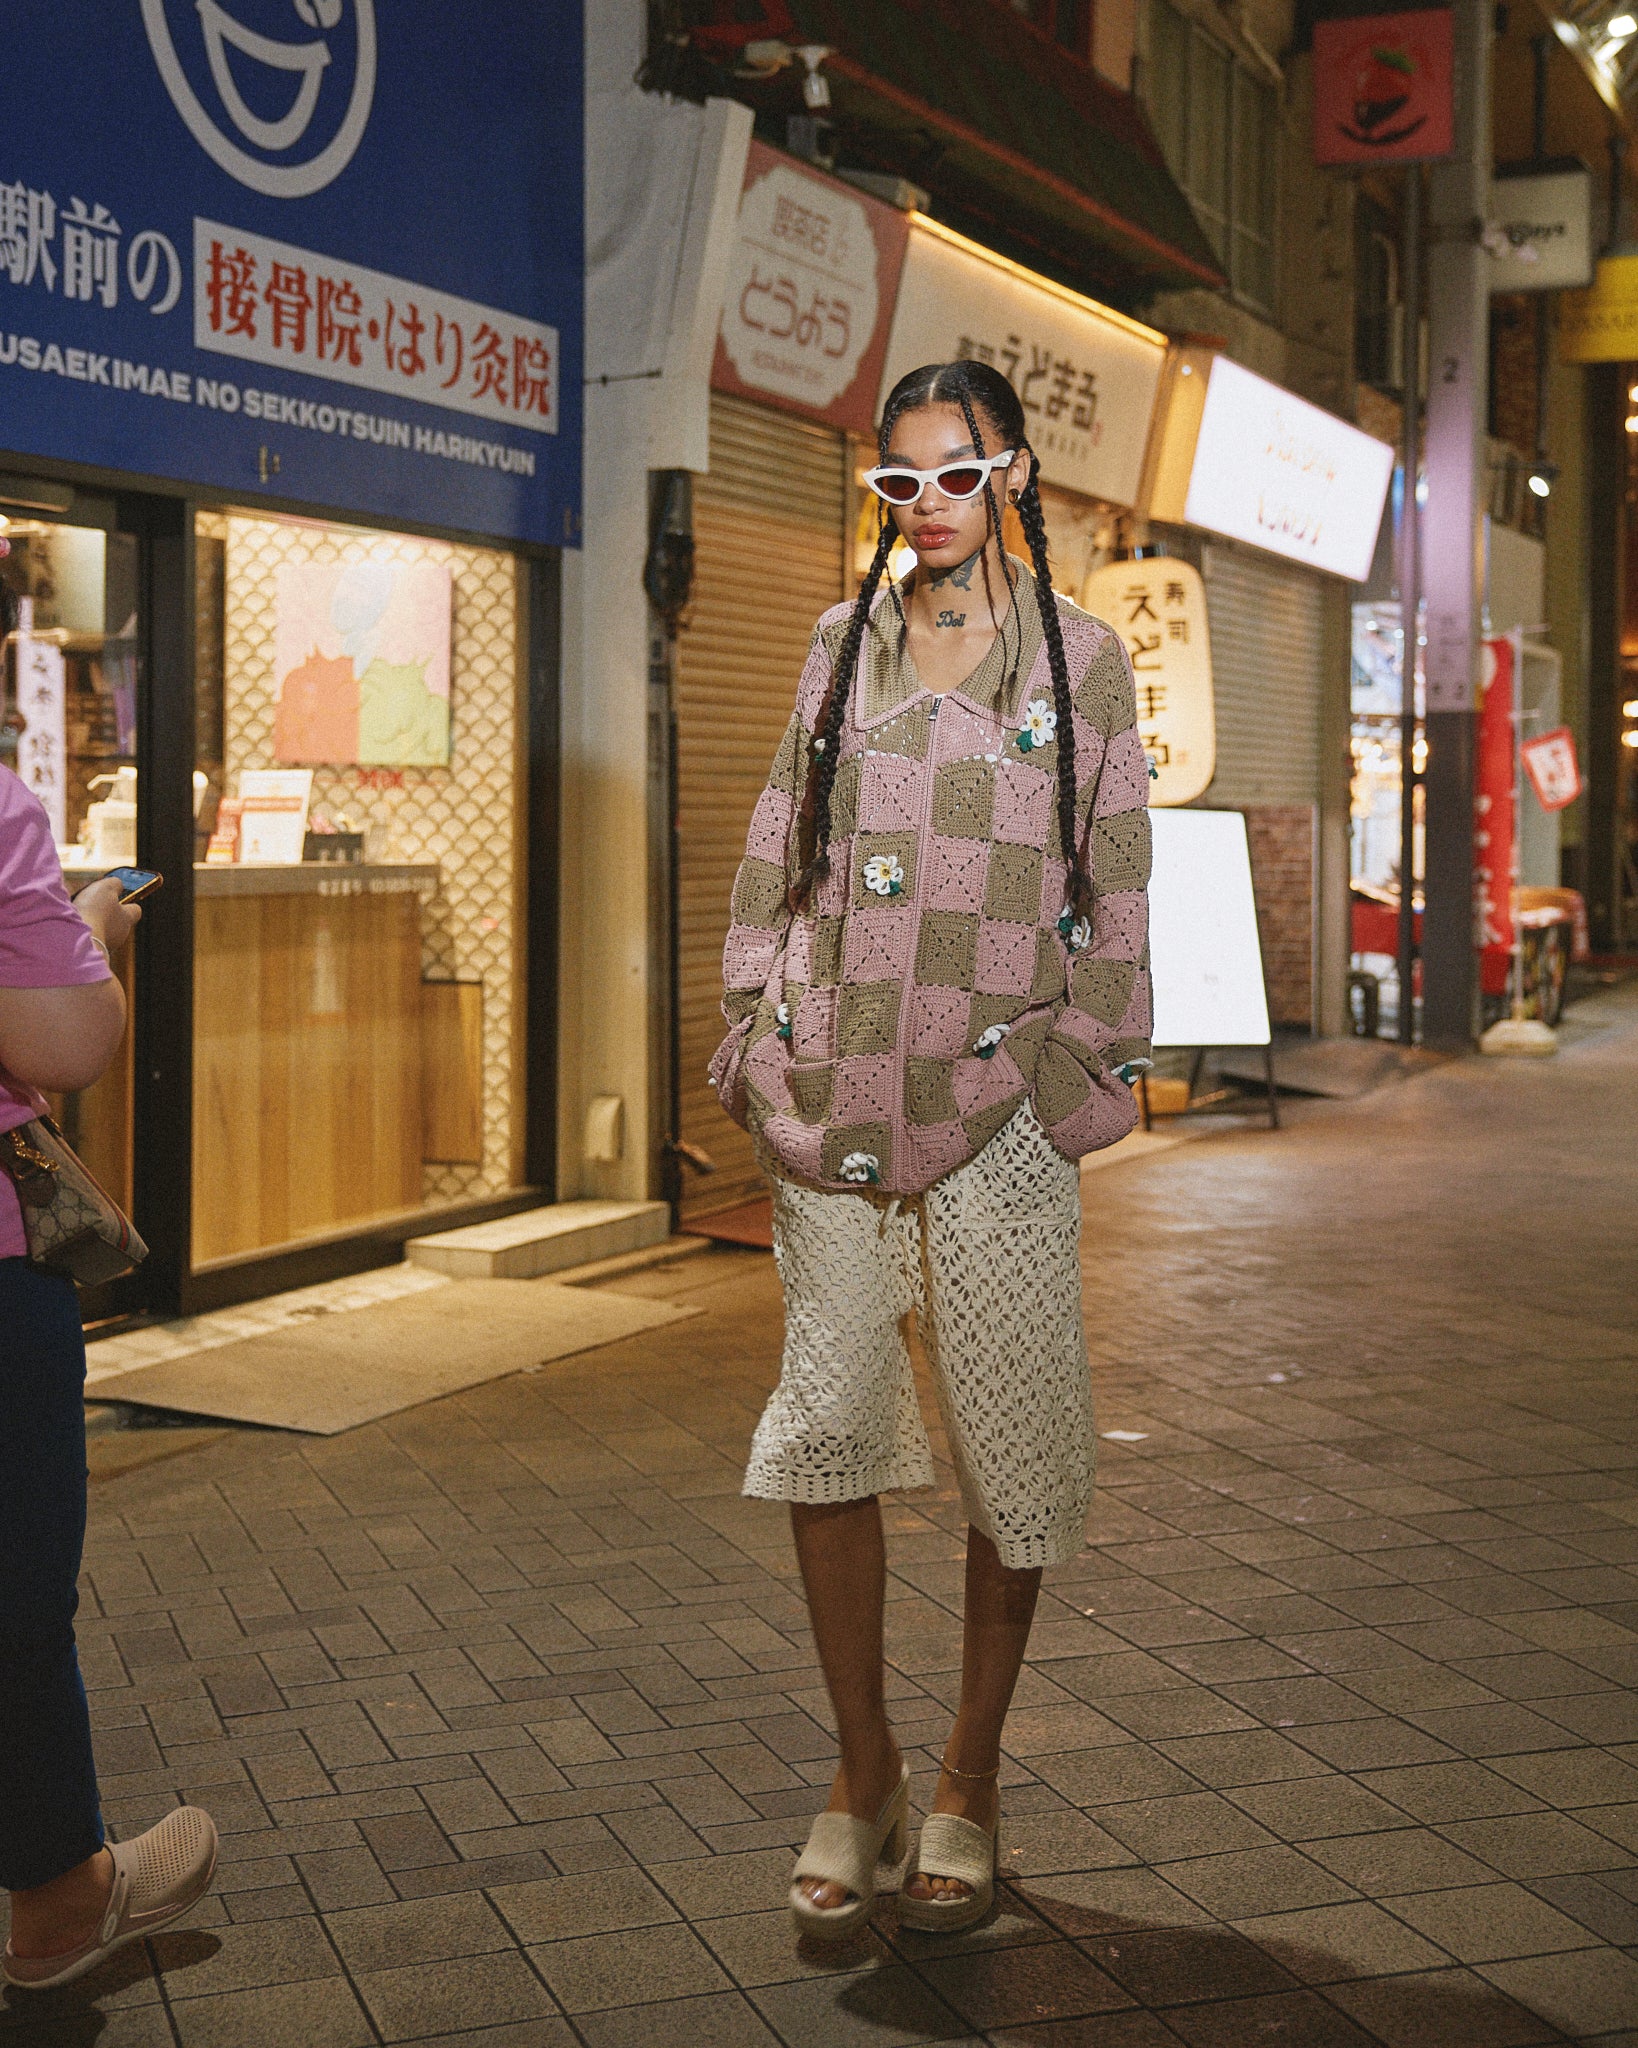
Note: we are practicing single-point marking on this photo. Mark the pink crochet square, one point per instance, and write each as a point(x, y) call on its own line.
point(745, 957)
point(812, 1037)
point(1023, 804)
point(981, 1083)
point(866, 1088)
point(797, 1145)
point(953, 872)
point(936, 1024)
point(1006, 957)
point(933, 1150)
point(888, 798)
point(1120, 924)
point(878, 944)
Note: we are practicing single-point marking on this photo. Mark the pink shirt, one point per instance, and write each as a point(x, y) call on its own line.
point(44, 943)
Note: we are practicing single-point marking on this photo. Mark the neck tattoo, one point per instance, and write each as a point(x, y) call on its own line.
point(961, 575)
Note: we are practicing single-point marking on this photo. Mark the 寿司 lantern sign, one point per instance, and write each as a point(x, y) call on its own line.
point(1384, 88)
point(1554, 772)
point(1158, 607)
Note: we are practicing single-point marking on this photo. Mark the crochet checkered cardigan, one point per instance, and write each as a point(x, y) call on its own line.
point(885, 1033)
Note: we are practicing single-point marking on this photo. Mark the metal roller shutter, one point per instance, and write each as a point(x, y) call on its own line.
point(769, 535)
point(1267, 658)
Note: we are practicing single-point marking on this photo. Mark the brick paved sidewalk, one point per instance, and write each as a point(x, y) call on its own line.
point(509, 1717)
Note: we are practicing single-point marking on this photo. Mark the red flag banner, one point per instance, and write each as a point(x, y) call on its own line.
point(1384, 88)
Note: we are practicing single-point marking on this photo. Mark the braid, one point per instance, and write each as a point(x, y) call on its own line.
point(1077, 888)
point(813, 832)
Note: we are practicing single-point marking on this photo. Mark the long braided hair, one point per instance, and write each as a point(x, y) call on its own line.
point(982, 394)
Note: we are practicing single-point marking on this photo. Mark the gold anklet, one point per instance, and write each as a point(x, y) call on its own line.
point(976, 1776)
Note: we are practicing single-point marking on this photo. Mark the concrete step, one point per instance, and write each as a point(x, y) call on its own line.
point(546, 1240)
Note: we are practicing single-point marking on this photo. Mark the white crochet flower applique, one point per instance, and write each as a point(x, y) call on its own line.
point(782, 1022)
point(987, 1041)
point(883, 875)
point(861, 1167)
point(1076, 932)
point(1040, 726)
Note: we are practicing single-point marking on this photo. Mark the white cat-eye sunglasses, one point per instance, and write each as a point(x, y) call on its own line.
point(957, 480)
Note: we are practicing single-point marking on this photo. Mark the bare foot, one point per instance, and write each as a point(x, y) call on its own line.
point(979, 1802)
point(864, 1801)
point(51, 1919)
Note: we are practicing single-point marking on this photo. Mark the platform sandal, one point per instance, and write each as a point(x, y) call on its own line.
point(952, 1847)
point(844, 1850)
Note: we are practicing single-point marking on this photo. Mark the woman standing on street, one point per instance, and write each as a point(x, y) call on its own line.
point(938, 992)
point(74, 1900)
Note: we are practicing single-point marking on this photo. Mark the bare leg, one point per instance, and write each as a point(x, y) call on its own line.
point(844, 1571)
point(1000, 1608)
point(50, 1919)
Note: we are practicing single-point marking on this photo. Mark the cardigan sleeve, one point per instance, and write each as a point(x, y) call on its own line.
point(760, 912)
point(1099, 1041)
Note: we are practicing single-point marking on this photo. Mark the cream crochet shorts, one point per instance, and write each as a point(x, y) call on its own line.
point(989, 1262)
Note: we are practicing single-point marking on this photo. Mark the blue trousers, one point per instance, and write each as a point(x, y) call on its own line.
point(49, 1819)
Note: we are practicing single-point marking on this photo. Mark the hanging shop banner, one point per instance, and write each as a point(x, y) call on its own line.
point(1540, 231)
point(1495, 825)
point(1384, 88)
point(1271, 469)
point(313, 248)
point(1551, 764)
point(1158, 607)
point(1087, 376)
point(1601, 325)
point(810, 293)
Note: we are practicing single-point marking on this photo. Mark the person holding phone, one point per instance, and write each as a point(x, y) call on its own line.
point(74, 1898)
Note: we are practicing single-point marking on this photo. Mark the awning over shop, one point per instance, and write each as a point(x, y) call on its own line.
point(1022, 147)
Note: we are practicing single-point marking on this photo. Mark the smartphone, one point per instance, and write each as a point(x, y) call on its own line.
point(136, 885)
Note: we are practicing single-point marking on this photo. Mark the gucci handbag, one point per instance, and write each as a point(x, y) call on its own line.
point(72, 1226)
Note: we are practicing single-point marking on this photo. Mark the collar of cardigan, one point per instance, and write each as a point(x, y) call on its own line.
point(998, 685)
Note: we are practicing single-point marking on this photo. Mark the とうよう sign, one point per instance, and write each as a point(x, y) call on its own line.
point(1384, 88)
point(1158, 607)
point(810, 291)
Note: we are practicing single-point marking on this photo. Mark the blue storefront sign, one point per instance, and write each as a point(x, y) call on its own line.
point(324, 250)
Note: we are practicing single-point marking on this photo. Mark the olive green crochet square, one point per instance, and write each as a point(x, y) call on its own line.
point(983, 1124)
point(964, 800)
point(811, 1084)
point(906, 735)
point(740, 1003)
point(759, 895)
point(1024, 1043)
point(1061, 1084)
point(929, 1091)
point(1119, 851)
point(983, 1011)
point(1102, 988)
point(791, 762)
point(844, 798)
point(875, 1141)
point(899, 846)
point(1013, 889)
point(867, 1018)
point(1105, 698)
point(826, 952)
point(1049, 982)
point(947, 948)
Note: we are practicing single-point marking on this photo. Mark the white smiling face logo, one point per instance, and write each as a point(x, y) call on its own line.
point(274, 66)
